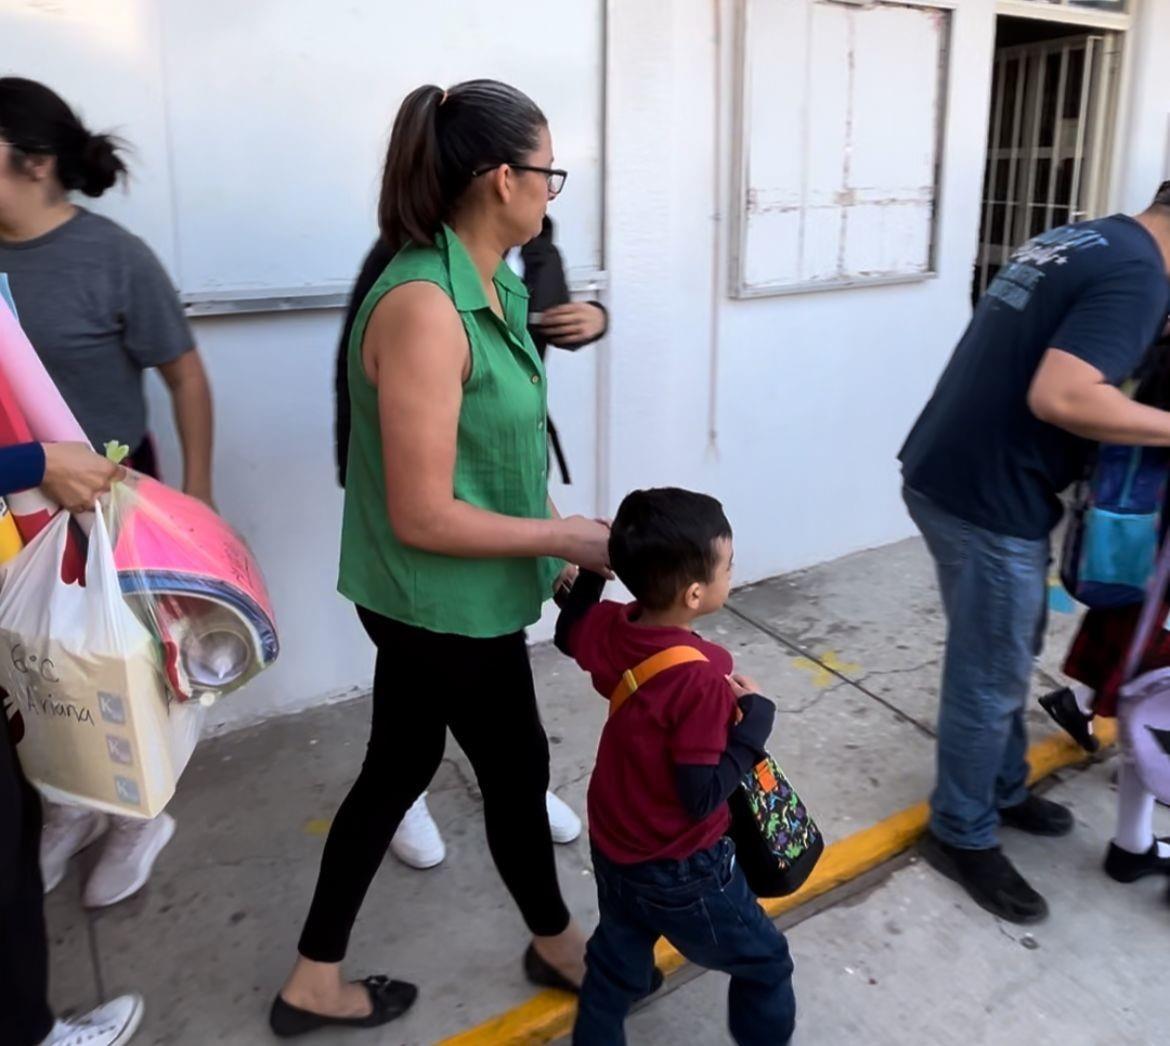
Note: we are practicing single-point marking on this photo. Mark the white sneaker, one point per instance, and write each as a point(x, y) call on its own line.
point(68, 830)
point(417, 842)
point(127, 858)
point(565, 825)
point(110, 1025)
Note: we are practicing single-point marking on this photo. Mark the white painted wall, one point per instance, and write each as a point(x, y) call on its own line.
point(810, 396)
point(813, 393)
point(1146, 140)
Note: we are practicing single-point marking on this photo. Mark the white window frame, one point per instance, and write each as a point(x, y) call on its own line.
point(739, 286)
point(1067, 13)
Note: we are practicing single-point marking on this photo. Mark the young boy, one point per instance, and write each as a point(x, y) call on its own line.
point(669, 758)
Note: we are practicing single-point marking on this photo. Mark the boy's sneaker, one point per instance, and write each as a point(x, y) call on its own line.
point(109, 1025)
point(1037, 816)
point(127, 859)
point(989, 878)
point(417, 843)
point(68, 830)
point(565, 825)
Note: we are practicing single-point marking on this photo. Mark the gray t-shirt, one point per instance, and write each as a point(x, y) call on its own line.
point(99, 309)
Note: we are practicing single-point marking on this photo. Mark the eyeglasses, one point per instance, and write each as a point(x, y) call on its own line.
point(554, 176)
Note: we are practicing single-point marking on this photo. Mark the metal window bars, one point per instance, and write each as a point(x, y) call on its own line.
point(1050, 141)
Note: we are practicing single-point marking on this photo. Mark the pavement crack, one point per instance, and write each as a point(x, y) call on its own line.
point(812, 703)
point(999, 926)
point(882, 672)
point(801, 651)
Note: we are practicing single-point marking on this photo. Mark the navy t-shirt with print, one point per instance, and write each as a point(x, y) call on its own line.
point(1097, 290)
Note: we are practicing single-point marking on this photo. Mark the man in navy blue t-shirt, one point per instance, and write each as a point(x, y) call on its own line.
point(1030, 388)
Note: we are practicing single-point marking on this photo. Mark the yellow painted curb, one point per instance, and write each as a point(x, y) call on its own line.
point(549, 1014)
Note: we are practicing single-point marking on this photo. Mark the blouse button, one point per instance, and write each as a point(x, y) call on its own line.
point(535, 379)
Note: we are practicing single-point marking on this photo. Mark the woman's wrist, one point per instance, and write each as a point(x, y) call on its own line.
point(555, 539)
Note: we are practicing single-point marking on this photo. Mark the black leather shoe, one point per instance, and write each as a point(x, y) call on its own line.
point(545, 975)
point(1063, 708)
point(1037, 816)
point(1126, 867)
point(989, 878)
point(389, 999)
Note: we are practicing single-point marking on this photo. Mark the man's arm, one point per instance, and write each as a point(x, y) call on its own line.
point(1074, 395)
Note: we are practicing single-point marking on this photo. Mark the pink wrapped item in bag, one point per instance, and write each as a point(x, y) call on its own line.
point(192, 577)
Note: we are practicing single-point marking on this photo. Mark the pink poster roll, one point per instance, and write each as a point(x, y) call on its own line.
point(197, 581)
point(49, 418)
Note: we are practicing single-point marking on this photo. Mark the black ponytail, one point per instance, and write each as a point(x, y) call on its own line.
point(440, 139)
point(37, 122)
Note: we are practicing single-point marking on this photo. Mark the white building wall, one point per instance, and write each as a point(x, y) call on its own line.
point(813, 393)
point(1144, 159)
point(809, 396)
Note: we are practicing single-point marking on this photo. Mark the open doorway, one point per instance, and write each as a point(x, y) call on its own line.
point(1054, 92)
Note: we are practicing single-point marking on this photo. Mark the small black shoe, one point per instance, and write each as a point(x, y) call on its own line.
point(1037, 816)
point(1126, 867)
point(1063, 708)
point(545, 975)
point(989, 878)
point(389, 999)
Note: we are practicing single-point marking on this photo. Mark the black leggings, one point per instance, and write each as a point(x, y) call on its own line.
point(424, 683)
point(25, 1017)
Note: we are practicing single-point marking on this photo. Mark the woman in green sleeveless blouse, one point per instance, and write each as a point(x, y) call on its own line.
point(450, 544)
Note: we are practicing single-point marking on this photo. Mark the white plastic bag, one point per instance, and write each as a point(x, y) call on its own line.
point(83, 675)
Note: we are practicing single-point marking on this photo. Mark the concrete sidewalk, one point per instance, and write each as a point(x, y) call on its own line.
point(915, 961)
point(850, 650)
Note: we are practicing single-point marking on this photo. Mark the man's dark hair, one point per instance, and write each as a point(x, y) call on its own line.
point(1162, 196)
point(663, 540)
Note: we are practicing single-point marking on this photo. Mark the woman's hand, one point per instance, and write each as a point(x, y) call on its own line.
point(576, 323)
point(585, 543)
point(76, 476)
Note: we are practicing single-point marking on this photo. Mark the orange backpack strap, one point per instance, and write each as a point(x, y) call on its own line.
point(640, 675)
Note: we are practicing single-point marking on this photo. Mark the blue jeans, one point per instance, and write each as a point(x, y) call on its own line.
point(995, 593)
point(704, 907)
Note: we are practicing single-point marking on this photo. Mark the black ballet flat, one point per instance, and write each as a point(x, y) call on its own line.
point(1063, 707)
point(389, 999)
point(545, 975)
point(1125, 867)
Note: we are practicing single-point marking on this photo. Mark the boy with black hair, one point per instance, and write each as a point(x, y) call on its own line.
point(669, 758)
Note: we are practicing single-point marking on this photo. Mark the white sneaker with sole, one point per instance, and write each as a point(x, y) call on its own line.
point(109, 1025)
point(565, 825)
point(417, 843)
point(68, 830)
point(127, 858)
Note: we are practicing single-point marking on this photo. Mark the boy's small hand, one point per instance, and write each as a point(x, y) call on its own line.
point(755, 722)
point(742, 685)
point(564, 584)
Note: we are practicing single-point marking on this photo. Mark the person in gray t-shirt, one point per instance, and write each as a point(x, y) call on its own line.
point(94, 300)
point(100, 310)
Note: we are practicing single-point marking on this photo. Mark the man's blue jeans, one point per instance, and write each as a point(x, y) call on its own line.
point(995, 594)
